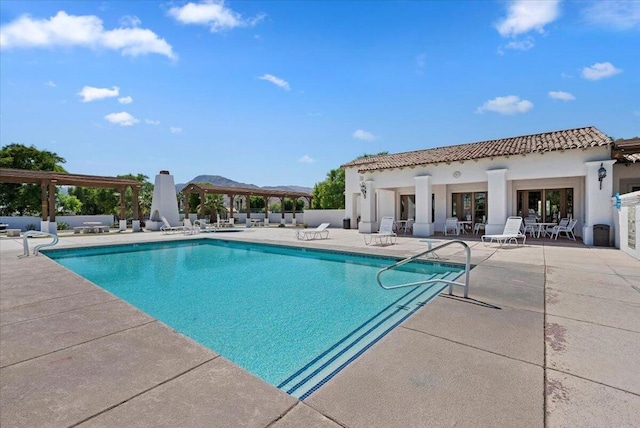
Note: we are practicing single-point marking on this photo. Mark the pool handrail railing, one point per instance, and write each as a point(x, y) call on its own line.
point(467, 269)
point(36, 249)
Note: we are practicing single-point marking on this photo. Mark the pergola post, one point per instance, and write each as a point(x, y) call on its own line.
point(52, 201)
point(248, 219)
point(282, 221)
point(123, 209)
point(266, 210)
point(135, 222)
point(293, 218)
point(202, 195)
point(186, 195)
point(45, 206)
point(231, 202)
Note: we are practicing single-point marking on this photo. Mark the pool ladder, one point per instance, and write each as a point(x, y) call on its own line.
point(36, 249)
point(464, 284)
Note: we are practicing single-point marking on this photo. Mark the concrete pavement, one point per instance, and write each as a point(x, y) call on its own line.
point(549, 337)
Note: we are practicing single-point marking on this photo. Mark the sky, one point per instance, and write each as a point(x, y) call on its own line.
point(280, 92)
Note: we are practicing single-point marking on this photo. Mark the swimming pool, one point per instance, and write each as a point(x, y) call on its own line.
point(294, 317)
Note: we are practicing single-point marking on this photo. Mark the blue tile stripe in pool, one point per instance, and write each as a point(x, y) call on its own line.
point(315, 374)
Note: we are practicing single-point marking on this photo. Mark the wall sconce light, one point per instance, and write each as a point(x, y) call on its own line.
point(363, 189)
point(602, 173)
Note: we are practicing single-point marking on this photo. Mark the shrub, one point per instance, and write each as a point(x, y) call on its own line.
point(63, 226)
point(30, 226)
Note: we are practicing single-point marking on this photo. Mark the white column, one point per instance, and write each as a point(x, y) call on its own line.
point(597, 201)
point(423, 225)
point(368, 221)
point(497, 201)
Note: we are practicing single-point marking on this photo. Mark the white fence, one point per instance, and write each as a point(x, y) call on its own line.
point(28, 222)
point(627, 218)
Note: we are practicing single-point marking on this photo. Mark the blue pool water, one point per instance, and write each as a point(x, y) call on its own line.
point(291, 316)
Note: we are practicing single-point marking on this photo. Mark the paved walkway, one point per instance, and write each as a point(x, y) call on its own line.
point(549, 337)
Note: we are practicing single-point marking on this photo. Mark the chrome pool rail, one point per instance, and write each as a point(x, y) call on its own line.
point(36, 249)
point(464, 284)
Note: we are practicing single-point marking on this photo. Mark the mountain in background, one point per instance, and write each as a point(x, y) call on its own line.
point(217, 180)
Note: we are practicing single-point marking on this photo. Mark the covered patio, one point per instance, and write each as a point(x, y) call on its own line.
point(48, 180)
point(203, 189)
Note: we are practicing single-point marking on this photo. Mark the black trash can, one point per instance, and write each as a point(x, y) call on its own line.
point(346, 223)
point(601, 235)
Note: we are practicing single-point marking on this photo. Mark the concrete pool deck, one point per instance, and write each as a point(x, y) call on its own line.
point(549, 337)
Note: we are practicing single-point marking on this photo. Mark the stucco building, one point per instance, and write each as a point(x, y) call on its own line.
point(567, 173)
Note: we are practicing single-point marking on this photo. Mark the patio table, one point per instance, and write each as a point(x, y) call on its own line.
point(543, 226)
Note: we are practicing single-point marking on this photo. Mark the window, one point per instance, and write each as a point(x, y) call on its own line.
point(469, 206)
point(546, 205)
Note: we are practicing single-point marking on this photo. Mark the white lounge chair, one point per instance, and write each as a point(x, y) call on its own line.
point(510, 234)
point(319, 232)
point(385, 233)
point(451, 224)
point(567, 230)
point(167, 228)
point(204, 226)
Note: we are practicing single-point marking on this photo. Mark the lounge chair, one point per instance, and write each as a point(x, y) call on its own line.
point(190, 228)
point(167, 228)
point(510, 234)
point(319, 232)
point(385, 233)
point(567, 230)
point(204, 226)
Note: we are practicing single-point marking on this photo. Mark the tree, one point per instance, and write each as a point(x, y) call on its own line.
point(68, 204)
point(25, 199)
point(329, 194)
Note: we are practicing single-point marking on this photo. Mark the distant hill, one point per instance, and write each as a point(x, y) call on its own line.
point(217, 180)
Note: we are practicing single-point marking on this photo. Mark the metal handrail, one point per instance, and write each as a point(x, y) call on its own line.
point(432, 281)
point(36, 249)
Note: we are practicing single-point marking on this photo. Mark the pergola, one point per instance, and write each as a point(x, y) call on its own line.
point(205, 188)
point(48, 180)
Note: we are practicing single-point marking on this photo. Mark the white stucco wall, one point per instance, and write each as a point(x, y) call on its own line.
point(627, 221)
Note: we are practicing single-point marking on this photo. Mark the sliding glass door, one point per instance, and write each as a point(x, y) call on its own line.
point(547, 205)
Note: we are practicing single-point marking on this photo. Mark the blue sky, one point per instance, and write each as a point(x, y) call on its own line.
point(281, 92)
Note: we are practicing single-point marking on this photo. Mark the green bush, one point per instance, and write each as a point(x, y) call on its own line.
point(30, 226)
point(63, 226)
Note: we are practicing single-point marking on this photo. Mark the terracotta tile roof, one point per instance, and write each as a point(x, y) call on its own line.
point(568, 139)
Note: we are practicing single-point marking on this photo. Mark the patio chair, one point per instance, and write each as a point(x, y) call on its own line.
point(451, 224)
point(319, 232)
point(385, 233)
point(510, 234)
point(567, 230)
point(203, 226)
point(530, 225)
point(564, 222)
point(167, 228)
point(190, 228)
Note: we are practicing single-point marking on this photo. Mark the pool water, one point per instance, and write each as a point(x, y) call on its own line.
point(292, 316)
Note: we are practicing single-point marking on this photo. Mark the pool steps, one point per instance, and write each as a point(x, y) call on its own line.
point(317, 372)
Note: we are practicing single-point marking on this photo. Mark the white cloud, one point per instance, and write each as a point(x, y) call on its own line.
point(276, 81)
point(125, 100)
point(525, 15)
point(214, 14)
point(306, 159)
point(175, 130)
point(566, 75)
point(152, 122)
point(520, 45)
point(363, 135)
point(85, 31)
point(560, 95)
point(600, 70)
point(50, 84)
point(123, 119)
point(510, 104)
point(89, 93)
point(617, 15)
point(130, 21)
